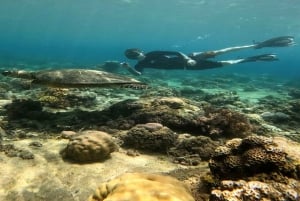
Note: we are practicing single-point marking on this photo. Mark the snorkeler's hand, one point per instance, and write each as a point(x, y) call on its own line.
point(124, 65)
point(191, 62)
point(130, 69)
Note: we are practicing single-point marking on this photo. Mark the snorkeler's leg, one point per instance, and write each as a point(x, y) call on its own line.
point(214, 53)
point(262, 57)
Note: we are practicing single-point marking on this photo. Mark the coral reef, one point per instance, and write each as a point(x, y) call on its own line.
point(295, 105)
point(253, 168)
point(11, 151)
point(150, 137)
point(187, 145)
point(22, 108)
point(89, 146)
point(224, 123)
point(64, 98)
point(294, 92)
point(223, 98)
point(240, 158)
point(275, 117)
point(142, 187)
point(175, 113)
point(256, 190)
point(179, 115)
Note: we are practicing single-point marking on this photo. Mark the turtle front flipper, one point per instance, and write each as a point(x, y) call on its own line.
point(18, 74)
point(137, 86)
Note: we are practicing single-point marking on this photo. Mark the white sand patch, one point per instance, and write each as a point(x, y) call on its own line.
point(48, 175)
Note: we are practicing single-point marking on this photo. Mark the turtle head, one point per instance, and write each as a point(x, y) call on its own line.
point(7, 73)
point(18, 74)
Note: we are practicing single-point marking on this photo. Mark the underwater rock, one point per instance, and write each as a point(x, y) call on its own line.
point(11, 151)
point(256, 190)
point(295, 106)
point(224, 123)
point(240, 158)
point(275, 116)
point(150, 137)
point(187, 145)
point(295, 93)
point(172, 112)
point(2, 133)
point(249, 88)
point(172, 102)
point(191, 91)
point(35, 144)
point(21, 108)
point(64, 98)
point(142, 187)
point(68, 134)
point(271, 102)
point(180, 115)
point(89, 146)
point(222, 98)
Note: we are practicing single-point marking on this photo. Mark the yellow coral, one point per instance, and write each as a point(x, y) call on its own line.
point(89, 146)
point(142, 187)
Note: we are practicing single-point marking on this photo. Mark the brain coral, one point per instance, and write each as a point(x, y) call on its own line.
point(150, 137)
point(142, 187)
point(249, 156)
point(89, 146)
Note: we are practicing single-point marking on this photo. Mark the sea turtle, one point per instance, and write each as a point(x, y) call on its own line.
point(69, 78)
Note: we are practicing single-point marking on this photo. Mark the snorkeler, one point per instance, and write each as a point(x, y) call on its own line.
point(199, 60)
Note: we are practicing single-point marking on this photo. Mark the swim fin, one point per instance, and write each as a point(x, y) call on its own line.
point(281, 41)
point(262, 57)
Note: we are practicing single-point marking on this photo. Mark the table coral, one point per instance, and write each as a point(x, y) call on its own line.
point(142, 187)
point(89, 146)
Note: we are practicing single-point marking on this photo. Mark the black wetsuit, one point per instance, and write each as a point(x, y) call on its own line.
point(173, 60)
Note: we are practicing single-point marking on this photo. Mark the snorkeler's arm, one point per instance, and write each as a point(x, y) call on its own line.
point(188, 60)
point(130, 68)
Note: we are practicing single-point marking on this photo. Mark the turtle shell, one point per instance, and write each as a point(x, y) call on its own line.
point(81, 78)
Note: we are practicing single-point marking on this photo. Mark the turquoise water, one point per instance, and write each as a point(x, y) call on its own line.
point(90, 32)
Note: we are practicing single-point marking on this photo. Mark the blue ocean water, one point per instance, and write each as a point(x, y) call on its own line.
point(93, 31)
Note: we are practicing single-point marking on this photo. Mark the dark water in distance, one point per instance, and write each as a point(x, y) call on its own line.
point(93, 31)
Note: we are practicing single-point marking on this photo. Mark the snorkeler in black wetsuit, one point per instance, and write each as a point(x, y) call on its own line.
point(199, 60)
